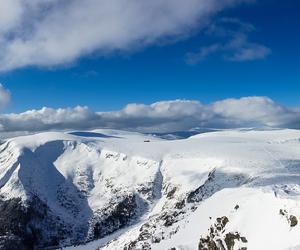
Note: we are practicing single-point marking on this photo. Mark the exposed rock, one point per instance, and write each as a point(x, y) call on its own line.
point(118, 216)
point(145, 235)
point(12, 242)
point(198, 194)
point(180, 204)
point(171, 193)
point(293, 220)
point(208, 244)
point(244, 240)
point(230, 239)
point(282, 212)
point(215, 182)
point(219, 239)
point(29, 225)
point(221, 222)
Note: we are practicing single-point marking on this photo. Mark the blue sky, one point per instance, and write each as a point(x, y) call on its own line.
point(149, 66)
point(160, 72)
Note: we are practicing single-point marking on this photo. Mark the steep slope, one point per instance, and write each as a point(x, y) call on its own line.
point(219, 190)
point(70, 189)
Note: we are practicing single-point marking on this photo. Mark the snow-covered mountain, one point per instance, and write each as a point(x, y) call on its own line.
point(114, 190)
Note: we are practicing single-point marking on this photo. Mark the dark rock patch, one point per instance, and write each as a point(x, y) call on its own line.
point(171, 193)
point(29, 226)
point(116, 217)
point(215, 182)
point(12, 242)
point(180, 204)
point(292, 219)
point(219, 239)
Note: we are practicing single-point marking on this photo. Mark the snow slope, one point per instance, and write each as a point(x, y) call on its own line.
point(121, 190)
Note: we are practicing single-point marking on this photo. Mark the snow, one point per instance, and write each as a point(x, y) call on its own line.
point(258, 170)
point(258, 218)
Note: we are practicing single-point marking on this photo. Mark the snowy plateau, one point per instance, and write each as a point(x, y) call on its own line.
point(116, 190)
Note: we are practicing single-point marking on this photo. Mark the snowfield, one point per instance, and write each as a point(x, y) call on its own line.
point(108, 189)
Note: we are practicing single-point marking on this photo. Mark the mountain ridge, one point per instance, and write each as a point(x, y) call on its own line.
point(75, 188)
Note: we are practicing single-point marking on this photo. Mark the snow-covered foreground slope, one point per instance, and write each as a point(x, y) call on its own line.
point(110, 189)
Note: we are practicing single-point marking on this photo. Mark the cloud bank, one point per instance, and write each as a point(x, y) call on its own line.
point(54, 32)
point(164, 116)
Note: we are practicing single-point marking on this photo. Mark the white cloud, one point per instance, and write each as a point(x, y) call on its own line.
point(235, 43)
point(204, 52)
point(164, 116)
point(241, 49)
point(53, 32)
point(4, 96)
point(253, 111)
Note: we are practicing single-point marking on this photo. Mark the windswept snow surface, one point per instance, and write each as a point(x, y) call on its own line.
point(121, 190)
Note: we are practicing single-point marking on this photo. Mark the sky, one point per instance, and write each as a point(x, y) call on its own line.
point(103, 57)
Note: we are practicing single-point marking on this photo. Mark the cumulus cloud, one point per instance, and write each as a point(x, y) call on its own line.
point(164, 116)
point(54, 32)
point(4, 96)
point(233, 43)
